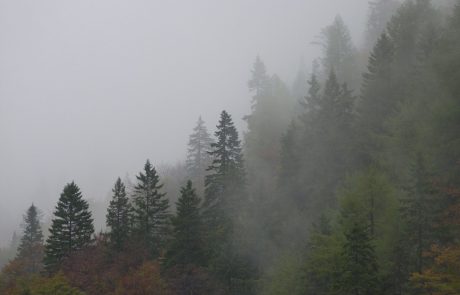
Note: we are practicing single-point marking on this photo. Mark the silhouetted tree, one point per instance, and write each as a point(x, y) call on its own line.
point(71, 229)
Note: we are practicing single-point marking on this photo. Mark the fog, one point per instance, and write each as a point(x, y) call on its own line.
point(90, 89)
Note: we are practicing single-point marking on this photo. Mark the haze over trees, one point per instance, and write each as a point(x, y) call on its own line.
point(352, 188)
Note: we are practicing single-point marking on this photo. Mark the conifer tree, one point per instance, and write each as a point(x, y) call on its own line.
point(187, 245)
point(30, 250)
point(198, 158)
point(151, 210)
point(71, 229)
point(380, 13)
point(118, 216)
point(260, 81)
point(226, 177)
point(420, 211)
point(339, 54)
point(359, 274)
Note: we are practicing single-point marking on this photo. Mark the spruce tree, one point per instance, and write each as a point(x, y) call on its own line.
point(380, 13)
point(259, 83)
point(118, 216)
point(198, 158)
point(223, 208)
point(421, 212)
point(187, 244)
point(339, 54)
point(151, 210)
point(359, 273)
point(226, 177)
point(30, 250)
point(71, 229)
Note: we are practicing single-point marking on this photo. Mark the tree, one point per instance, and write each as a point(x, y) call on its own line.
point(420, 212)
point(118, 216)
point(259, 82)
point(30, 250)
point(198, 158)
point(187, 244)
point(71, 229)
point(380, 13)
point(359, 269)
point(223, 209)
point(151, 210)
point(339, 54)
point(379, 99)
point(226, 178)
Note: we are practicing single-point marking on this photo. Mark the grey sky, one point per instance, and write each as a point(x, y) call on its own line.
point(90, 89)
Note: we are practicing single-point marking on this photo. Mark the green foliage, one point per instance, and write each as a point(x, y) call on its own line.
point(339, 54)
point(71, 229)
point(151, 217)
point(198, 158)
point(30, 250)
point(359, 269)
point(187, 244)
point(287, 278)
point(225, 182)
point(119, 216)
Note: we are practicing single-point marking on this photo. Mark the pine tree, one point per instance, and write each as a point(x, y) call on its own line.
point(380, 13)
point(312, 101)
point(71, 229)
point(420, 211)
point(359, 274)
point(259, 82)
point(339, 54)
point(198, 158)
point(30, 250)
point(119, 216)
point(187, 245)
point(226, 177)
point(151, 210)
point(223, 208)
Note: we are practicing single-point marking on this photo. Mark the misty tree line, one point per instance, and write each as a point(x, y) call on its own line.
point(345, 183)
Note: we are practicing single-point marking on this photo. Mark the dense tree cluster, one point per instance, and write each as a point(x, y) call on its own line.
point(347, 183)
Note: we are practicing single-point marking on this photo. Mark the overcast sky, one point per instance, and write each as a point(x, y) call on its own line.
point(89, 89)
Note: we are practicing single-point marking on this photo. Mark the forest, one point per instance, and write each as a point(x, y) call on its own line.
point(345, 183)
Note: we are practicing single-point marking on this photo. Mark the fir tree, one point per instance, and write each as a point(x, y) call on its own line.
point(187, 245)
point(359, 274)
point(71, 229)
point(151, 210)
point(420, 211)
point(259, 82)
point(225, 180)
point(30, 250)
point(198, 158)
point(119, 216)
point(380, 13)
point(339, 53)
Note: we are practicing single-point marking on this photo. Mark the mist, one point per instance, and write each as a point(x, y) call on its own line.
point(90, 89)
point(230, 147)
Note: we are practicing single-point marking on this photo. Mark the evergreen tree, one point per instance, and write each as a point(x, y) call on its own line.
point(151, 210)
point(312, 101)
point(259, 82)
point(359, 274)
point(198, 158)
point(421, 212)
point(30, 250)
point(339, 54)
point(226, 177)
point(379, 99)
point(119, 216)
point(71, 229)
point(223, 209)
point(187, 244)
point(380, 13)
